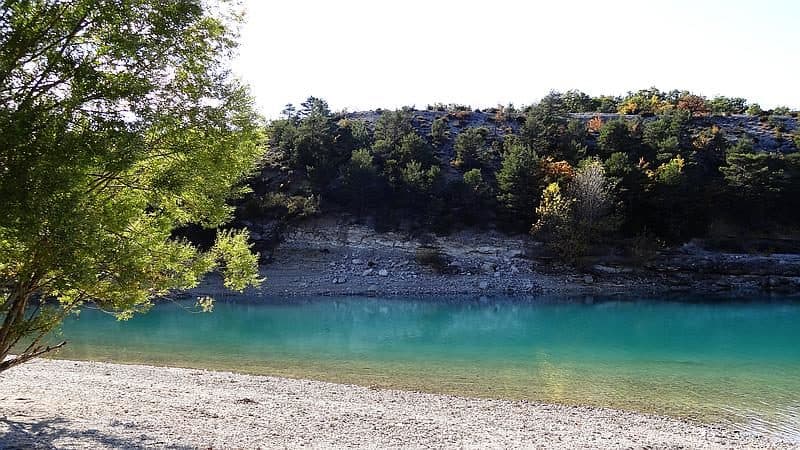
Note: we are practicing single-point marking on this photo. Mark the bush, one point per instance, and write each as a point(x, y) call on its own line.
point(614, 137)
point(584, 214)
point(440, 131)
point(432, 257)
point(727, 105)
point(694, 104)
point(470, 147)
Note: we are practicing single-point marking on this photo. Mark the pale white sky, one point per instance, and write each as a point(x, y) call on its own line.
point(362, 54)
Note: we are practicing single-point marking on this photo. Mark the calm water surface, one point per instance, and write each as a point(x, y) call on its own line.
point(737, 363)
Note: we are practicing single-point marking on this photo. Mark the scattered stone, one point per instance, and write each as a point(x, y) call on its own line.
point(588, 279)
point(366, 272)
point(357, 262)
point(340, 280)
point(483, 285)
point(383, 273)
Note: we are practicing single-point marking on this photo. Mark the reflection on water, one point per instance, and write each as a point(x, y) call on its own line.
point(731, 362)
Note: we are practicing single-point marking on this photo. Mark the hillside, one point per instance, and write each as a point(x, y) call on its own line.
point(582, 183)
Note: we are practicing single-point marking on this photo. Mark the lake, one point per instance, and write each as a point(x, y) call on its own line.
point(731, 362)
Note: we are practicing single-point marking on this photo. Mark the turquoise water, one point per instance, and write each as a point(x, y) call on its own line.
point(737, 363)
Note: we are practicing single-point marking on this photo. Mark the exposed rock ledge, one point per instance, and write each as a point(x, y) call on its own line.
point(331, 256)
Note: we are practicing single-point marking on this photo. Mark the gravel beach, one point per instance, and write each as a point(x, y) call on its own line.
point(69, 404)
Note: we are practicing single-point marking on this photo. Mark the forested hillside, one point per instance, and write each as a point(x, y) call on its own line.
point(576, 171)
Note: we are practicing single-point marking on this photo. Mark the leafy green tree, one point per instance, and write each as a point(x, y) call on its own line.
point(471, 147)
point(419, 179)
point(440, 131)
point(362, 182)
point(607, 104)
point(727, 105)
point(668, 134)
point(614, 137)
point(474, 180)
point(120, 125)
point(545, 124)
point(754, 110)
point(554, 222)
point(390, 128)
point(580, 102)
point(520, 180)
point(757, 178)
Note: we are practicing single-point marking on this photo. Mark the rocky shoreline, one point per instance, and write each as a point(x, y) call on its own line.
point(335, 257)
point(91, 405)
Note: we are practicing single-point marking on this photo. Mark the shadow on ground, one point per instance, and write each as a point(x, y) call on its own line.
point(55, 433)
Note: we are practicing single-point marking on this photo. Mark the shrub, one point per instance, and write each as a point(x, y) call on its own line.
point(727, 105)
point(432, 257)
point(470, 147)
point(579, 217)
point(694, 104)
point(520, 180)
point(754, 110)
point(614, 137)
point(418, 178)
point(595, 124)
point(474, 180)
point(671, 172)
point(440, 131)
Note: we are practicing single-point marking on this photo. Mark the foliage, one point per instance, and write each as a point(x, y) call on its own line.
point(554, 222)
point(471, 147)
point(594, 199)
point(695, 105)
point(545, 123)
point(474, 179)
point(440, 131)
point(727, 105)
point(614, 137)
point(754, 110)
point(432, 257)
point(670, 173)
point(667, 134)
point(419, 179)
point(519, 180)
point(584, 214)
point(579, 102)
point(109, 146)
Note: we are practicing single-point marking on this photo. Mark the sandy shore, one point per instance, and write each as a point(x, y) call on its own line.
point(68, 404)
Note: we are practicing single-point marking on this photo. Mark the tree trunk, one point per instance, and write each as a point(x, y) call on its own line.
point(15, 326)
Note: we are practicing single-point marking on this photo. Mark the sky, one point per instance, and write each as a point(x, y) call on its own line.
point(365, 54)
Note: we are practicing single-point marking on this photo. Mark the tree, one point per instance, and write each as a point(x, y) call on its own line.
point(594, 196)
point(362, 183)
point(440, 131)
point(583, 214)
point(554, 221)
point(545, 123)
point(580, 102)
point(520, 180)
point(668, 134)
point(120, 125)
point(615, 136)
point(471, 146)
point(694, 104)
point(728, 105)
